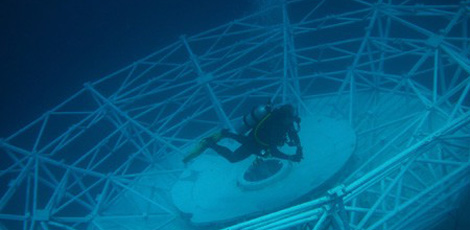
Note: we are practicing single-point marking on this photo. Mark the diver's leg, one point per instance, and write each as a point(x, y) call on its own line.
point(237, 137)
point(224, 152)
point(240, 154)
point(247, 149)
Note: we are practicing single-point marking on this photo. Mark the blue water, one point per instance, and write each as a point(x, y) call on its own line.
point(49, 49)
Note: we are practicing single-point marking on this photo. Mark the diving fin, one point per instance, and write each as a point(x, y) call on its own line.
point(202, 145)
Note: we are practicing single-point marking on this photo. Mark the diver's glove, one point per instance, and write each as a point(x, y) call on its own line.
point(298, 155)
point(291, 143)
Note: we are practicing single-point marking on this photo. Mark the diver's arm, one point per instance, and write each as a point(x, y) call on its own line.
point(278, 154)
point(294, 139)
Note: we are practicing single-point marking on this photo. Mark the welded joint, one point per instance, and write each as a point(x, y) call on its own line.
point(107, 105)
point(192, 56)
point(205, 78)
point(328, 208)
point(337, 192)
point(405, 78)
point(336, 196)
point(41, 215)
point(339, 203)
point(13, 183)
point(435, 40)
point(336, 208)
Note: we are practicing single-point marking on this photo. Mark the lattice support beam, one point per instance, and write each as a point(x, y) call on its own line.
point(204, 79)
point(129, 119)
point(290, 69)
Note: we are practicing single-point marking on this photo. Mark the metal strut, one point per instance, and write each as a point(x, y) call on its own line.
point(204, 79)
point(130, 119)
point(290, 71)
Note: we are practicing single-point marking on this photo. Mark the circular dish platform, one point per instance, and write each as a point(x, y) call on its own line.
point(212, 189)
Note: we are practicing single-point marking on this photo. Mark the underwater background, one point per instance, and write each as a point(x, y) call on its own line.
point(50, 49)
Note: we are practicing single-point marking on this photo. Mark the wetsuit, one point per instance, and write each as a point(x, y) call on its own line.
point(274, 130)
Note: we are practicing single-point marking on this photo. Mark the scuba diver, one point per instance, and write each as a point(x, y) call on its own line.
point(270, 129)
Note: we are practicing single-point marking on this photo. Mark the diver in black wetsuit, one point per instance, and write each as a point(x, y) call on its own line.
point(276, 128)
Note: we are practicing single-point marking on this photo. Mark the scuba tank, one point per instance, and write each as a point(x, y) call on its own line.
point(251, 119)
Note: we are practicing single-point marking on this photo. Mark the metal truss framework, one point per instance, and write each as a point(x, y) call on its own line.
point(397, 70)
